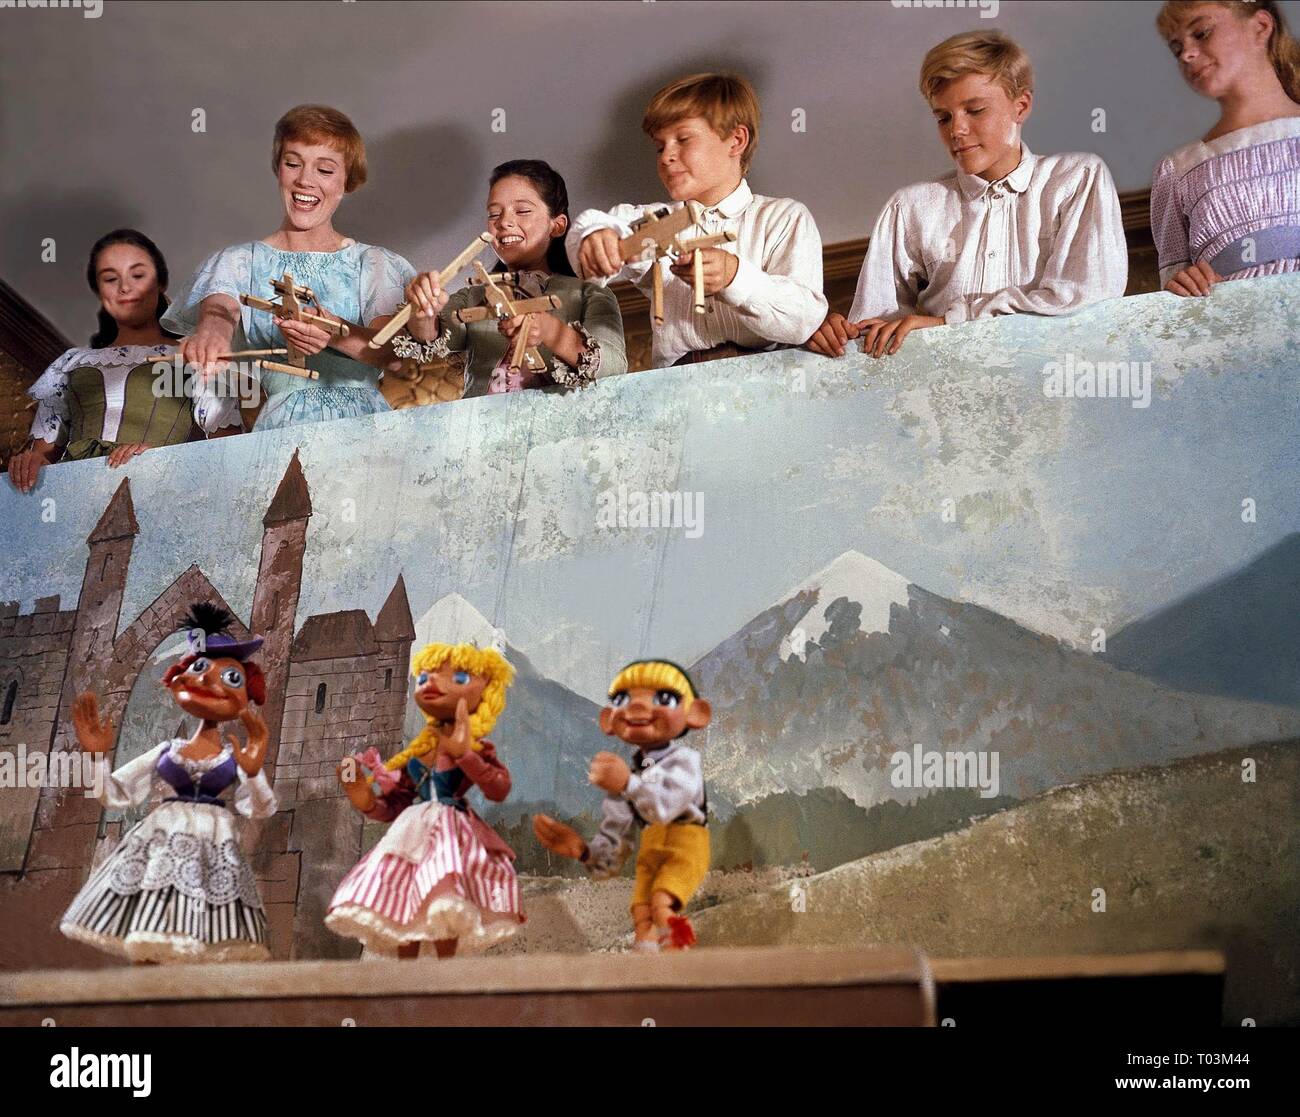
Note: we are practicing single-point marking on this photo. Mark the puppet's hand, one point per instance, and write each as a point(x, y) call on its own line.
point(558, 838)
point(355, 785)
point(251, 755)
point(609, 772)
point(457, 744)
point(95, 736)
point(718, 266)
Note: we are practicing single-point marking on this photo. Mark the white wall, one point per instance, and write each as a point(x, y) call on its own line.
point(95, 113)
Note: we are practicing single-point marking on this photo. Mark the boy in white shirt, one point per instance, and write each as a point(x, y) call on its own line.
point(764, 291)
point(1006, 232)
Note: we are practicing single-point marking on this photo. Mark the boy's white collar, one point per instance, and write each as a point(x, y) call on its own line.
point(972, 186)
point(733, 205)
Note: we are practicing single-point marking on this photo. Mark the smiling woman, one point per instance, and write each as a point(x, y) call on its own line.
point(318, 156)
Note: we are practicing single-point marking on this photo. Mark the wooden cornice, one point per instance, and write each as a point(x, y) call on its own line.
point(26, 334)
point(843, 260)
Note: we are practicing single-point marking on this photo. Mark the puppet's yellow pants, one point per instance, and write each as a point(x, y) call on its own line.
point(673, 858)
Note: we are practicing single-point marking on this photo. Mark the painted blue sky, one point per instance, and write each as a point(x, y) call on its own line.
point(1067, 514)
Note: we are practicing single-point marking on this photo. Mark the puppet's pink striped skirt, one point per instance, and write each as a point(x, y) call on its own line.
point(429, 878)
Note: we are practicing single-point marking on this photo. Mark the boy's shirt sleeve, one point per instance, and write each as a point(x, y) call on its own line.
point(619, 219)
point(783, 300)
point(1087, 263)
point(607, 851)
point(892, 275)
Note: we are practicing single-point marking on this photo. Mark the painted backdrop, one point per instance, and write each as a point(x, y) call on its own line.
point(1051, 548)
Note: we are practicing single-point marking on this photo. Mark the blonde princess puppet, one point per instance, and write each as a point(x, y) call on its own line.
point(440, 874)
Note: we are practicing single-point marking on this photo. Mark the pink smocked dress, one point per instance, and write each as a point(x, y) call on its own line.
point(439, 872)
point(1233, 202)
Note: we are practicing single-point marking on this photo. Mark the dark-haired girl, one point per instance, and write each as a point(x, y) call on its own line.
point(528, 214)
point(99, 400)
point(178, 888)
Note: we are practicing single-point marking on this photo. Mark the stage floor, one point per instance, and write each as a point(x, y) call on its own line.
point(881, 986)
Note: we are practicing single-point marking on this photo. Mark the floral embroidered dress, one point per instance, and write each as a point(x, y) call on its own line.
point(177, 888)
point(359, 283)
point(439, 872)
point(1233, 201)
point(92, 400)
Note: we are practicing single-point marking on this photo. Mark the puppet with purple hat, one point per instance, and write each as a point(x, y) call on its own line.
point(178, 888)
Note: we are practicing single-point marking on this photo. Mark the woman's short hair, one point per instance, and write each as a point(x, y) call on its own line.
point(323, 125)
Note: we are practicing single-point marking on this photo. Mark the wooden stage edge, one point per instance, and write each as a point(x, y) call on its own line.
point(890, 986)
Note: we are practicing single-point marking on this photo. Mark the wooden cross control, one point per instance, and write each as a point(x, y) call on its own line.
point(501, 305)
point(658, 234)
point(292, 296)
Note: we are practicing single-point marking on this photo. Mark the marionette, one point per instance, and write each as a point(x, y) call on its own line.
point(440, 874)
point(178, 888)
point(652, 706)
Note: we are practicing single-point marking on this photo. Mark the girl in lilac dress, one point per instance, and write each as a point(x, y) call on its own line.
point(178, 888)
point(1228, 206)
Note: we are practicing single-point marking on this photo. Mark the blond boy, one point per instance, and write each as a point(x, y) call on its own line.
point(763, 291)
point(1005, 232)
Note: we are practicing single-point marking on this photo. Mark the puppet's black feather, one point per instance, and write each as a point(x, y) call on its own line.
point(211, 618)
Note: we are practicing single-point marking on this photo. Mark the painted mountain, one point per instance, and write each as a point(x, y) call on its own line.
point(547, 734)
point(819, 690)
point(1238, 637)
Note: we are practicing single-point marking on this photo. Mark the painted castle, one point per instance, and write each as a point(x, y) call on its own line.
point(334, 687)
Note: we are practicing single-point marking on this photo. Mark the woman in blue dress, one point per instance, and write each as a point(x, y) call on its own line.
point(318, 157)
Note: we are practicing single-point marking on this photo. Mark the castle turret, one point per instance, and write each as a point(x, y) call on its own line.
point(394, 633)
point(100, 605)
point(275, 599)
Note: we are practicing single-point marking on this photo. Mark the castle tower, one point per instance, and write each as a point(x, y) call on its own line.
point(394, 633)
point(100, 605)
point(275, 598)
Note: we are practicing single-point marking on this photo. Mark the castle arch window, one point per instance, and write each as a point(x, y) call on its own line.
point(11, 696)
point(388, 678)
point(320, 698)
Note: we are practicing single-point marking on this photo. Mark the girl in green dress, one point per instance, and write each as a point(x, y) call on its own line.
point(101, 400)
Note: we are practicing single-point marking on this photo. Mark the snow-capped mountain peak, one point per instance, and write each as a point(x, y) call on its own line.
point(453, 620)
point(854, 576)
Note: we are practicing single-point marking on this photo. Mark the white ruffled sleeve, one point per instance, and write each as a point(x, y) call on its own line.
point(255, 797)
point(50, 394)
point(384, 276)
point(131, 784)
point(228, 272)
